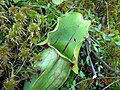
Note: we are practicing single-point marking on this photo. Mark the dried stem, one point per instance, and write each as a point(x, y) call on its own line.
point(105, 64)
point(110, 84)
point(107, 14)
point(88, 53)
point(97, 57)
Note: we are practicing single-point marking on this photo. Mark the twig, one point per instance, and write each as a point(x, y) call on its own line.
point(110, 84)
point(110, 68)
point(5, 18)
point(21, 67)
point(79, 83)
point(87, 43)
point(73, 6)
point(107, 14)
point(88, 80)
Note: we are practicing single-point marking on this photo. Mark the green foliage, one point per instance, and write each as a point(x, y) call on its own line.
point(18, 51)
point(20, 29)
point(57, 2)
point(10, 84)
point(57, 67)
point(72, 25)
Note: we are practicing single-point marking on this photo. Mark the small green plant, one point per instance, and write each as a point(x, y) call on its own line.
point(65, 54)
point(24, 23)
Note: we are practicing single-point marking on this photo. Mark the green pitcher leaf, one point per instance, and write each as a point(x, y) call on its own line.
point(64, 42)
point(53, 78)
point(28, 84)
point(48, 58)
point(68, 35)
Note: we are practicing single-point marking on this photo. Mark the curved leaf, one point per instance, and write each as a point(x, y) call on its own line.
point(48, 58)
point(54, 77)
point(68, 35)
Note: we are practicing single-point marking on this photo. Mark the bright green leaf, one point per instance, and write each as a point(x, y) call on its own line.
point(16, 1)
point(117, 43)
point(99, 27)
point(87, 60)
point(111, 35)
point(57, 2)
point(68, 35)
point(106, 38)
point(82, 75)
point(53, 77)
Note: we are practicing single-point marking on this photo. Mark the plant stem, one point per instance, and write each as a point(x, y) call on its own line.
point(91, 79)
point(110, 84)
point(107, 14)
point(110, 68)
point(88, 53)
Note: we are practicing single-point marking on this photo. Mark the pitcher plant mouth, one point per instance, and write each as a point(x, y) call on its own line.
point(68, 36)
point(57, 61)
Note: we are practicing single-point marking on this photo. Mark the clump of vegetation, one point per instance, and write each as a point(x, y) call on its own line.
point(24, 23)
point(21, 28)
